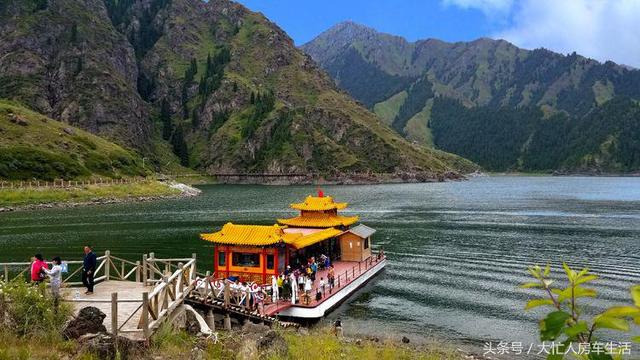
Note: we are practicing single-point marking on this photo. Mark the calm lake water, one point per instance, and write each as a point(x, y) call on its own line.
point(457, 251)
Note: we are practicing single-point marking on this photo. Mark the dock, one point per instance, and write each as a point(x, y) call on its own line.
point(136, 297)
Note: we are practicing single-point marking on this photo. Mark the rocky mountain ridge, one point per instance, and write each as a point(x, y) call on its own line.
point(210, 85)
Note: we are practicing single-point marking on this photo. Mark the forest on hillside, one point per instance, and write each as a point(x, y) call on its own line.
point(606, 139)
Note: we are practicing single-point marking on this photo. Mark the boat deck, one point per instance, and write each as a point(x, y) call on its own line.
point(346, 272)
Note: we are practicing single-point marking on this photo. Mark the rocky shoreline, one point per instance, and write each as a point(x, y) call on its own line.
point(345, 179)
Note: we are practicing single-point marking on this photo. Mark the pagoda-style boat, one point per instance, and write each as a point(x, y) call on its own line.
point(256, 253)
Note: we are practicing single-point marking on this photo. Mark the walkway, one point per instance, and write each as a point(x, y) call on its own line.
point(129, 302)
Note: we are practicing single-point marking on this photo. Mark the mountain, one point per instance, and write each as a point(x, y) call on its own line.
point(34, 146)
point(493, 85)
point(220, 86)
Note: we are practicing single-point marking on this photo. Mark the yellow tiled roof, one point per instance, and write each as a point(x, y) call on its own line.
point(316, 237)
point(316, 203)
point(319, 220)
point(252, 235)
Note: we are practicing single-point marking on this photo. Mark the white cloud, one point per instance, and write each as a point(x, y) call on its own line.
point(601, 29)
point(489, 7)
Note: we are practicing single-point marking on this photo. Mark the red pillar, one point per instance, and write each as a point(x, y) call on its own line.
point(227, 259)
point(215, 261)
point(264, 266)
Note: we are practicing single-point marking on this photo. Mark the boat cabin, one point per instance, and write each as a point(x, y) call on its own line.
point(355, 243)
point(256, 252)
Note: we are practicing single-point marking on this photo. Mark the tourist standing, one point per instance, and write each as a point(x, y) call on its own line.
point(307, 286)
point(331, 277)
point(314, 269)
point(55, 274)
point(294, 296)
point(88, 269)
point(301, 281)
point(321, 286)
point(275, 288)
point(285, 288)
point(37, 269)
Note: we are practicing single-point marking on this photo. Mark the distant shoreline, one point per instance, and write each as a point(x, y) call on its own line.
point(561, 174)
point(35, 199)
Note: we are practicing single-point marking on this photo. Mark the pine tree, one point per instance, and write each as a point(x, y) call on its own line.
point(73, 38)
point(180, 146)
point(165, 118)
point(79, 66)
point(195, 120)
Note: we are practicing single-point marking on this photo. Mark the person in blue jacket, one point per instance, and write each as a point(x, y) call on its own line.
point(88, 269)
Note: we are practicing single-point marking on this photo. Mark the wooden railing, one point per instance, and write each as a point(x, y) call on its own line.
point(349, 275)
point(62, 183)
point(213, 288)
point(167, 294)
point(172, 279)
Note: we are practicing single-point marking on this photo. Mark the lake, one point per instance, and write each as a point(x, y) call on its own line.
point(457, 250)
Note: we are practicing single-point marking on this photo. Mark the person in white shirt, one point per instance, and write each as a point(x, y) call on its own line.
point(321, 286)
point(55, 274)
point(307, 286)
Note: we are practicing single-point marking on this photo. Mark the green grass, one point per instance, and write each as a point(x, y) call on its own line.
point(169, 343)
point(417, 127)
point(388, 109)
point(327, 346)
point(45, 149)
point(18, 197)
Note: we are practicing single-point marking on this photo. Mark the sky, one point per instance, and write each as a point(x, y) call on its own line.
point(600, 29)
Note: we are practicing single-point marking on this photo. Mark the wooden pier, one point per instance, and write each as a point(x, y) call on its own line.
point(135, 296)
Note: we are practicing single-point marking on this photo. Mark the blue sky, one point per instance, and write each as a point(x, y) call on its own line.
point(412, 19)
point(600, 29)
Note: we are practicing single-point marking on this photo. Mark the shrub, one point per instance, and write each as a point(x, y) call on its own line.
point(565, 323)
point(29, 309)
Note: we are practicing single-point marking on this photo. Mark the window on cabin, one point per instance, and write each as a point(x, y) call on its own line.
point(245, 259)
point(366, 243)
point(222, 258)
point(270, 262)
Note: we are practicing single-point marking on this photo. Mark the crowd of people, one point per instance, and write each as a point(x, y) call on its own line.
point(298, 285)
point(40, 272)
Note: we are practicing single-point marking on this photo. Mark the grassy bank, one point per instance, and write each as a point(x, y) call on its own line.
point(27, 196)
point(30, 328)
point(174, 344)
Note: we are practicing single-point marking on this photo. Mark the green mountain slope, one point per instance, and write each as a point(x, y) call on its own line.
point(605, 140)
point(33, 146)
point(493, 76)
point(222, 86)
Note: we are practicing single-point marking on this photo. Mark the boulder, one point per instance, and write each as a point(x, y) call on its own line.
point(105, 346)
point(252, 328)
point(272, 344)
point(187, 318)
point(68, 130)
point(88, 321)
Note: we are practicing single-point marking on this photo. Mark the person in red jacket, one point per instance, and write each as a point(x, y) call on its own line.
point(37, 269)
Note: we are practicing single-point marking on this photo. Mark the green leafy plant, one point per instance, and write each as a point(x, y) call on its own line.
point(565, 322)
point(29, 309)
